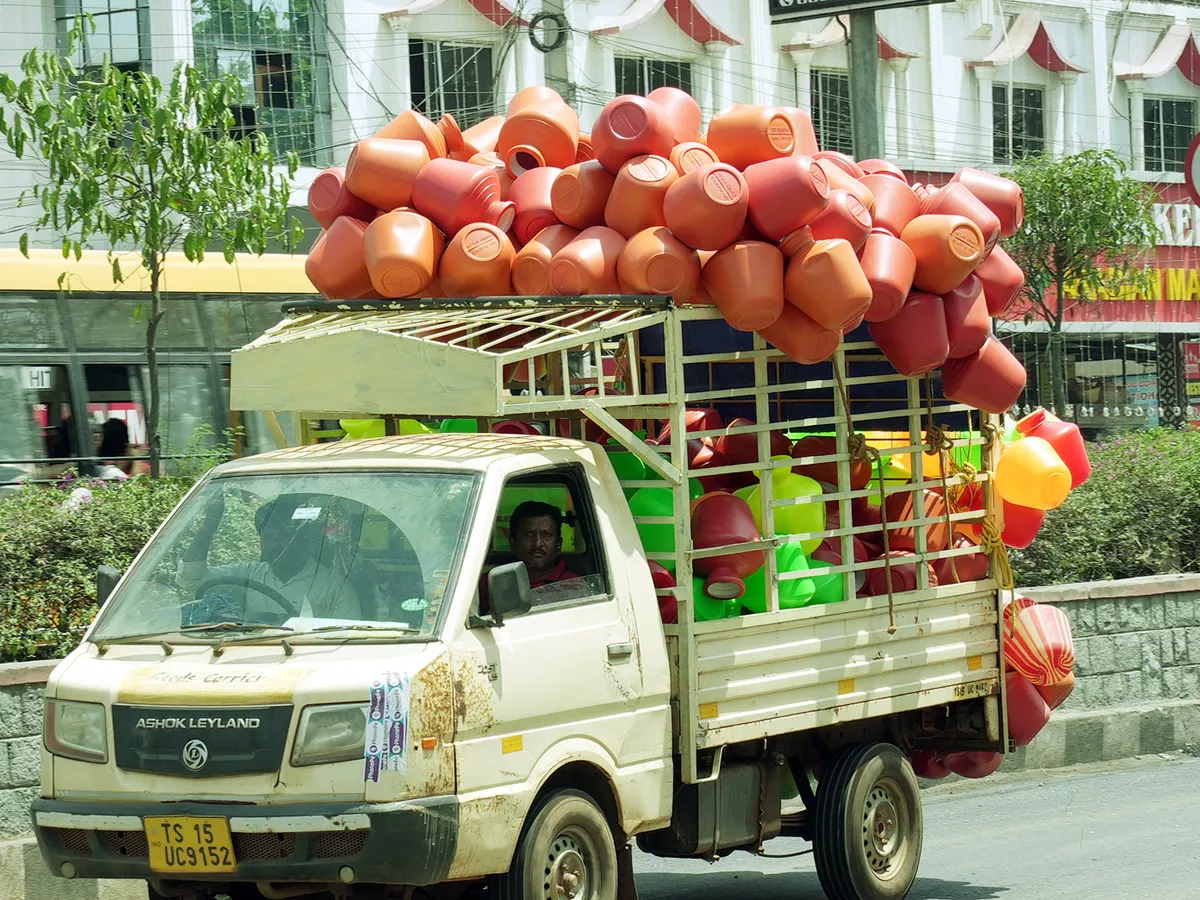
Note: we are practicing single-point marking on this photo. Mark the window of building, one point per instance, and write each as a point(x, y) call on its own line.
point(1170, 126)
point(1018, 122)
point(831, 111)
point(641, 75)
point(121, 30)
point(458, 79)
point(277, 51)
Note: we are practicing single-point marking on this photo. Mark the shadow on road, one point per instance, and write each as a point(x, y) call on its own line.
point(786, 886)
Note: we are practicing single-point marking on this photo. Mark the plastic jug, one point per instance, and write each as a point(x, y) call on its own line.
point(402, 250)
point(786, 194)
point(804, 137)
point(800, 338)
point(831, 587)
point(799, 518)
point(706, 209)
point(842, 161)
point(948, 248)
point(914, 340)
point(1001, 195)
point(531, 266)
point(743, 135)
point(329, 198)
point(482, 138)
point(882, 167)
point(889, 266)
point(512, 426)
point(1056, 694)
point(990, 379)
point(585, 151)
point(1064, 437)
point(707, 609)
point(1028, 711)
point(825, 280)
point(968, 324)
point(954, 199)
point(454, 194)
point(531, 193)
point(580, 193)
point(818, 445)
point(793, 592)
point(588, 265)
point(383, 171)
point(668, 605)
point(656, 538)
point(478, 263)
point(692, 155)
point(654, 261)
point(745, 281)
point(628, 467)
point(636, 200)
point(841, 180)
point(491, 160)
point(542, 132)
point(681, 111)
point(535, 93)
point(336, 265)
point(899, 507)
point(719, 520)
point(630, 126)
point(895, 203)
point(928, 764)
point(741, 449)
point(1030, 473)
point(440, 140)
point(973, 764)
point(903, 575)
point(1038, 644)
point(1002, 281)
point(844, 217)
point(1021, 525)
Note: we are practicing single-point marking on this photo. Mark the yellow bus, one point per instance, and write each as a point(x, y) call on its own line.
point(73, 357)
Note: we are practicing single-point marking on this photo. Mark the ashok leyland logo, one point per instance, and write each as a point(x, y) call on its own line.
point(195, 755)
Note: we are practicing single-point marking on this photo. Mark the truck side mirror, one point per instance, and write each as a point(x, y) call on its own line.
point(509, 593)
point(106, 579)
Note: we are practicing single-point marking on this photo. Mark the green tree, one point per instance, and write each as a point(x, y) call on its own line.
point(138, 164)
point(1088, 227)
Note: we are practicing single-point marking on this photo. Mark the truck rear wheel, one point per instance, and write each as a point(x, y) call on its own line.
point(867, 839)
point(566, 852)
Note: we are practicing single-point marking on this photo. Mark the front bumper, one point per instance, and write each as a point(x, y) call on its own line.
point(411, 842)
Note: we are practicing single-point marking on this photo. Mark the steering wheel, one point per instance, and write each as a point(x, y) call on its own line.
point(245, 581)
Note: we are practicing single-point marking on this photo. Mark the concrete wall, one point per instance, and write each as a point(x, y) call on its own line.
point(21, 686)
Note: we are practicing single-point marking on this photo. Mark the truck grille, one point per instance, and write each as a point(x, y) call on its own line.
point(264, 846)
point(125, 843)
point(247, 847)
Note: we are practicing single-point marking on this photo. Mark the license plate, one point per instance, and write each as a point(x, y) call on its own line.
point(190, 844)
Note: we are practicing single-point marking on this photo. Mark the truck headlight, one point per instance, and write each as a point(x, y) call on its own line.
point(329, 734)
point(76, 730)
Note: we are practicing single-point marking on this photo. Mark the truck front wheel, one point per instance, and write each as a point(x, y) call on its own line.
point(566, 852)
point(868, 830)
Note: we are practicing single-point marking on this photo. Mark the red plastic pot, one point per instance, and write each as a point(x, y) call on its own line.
point(719, 520)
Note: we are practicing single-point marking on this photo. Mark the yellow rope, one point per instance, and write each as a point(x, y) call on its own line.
point(941, 445)
point(994, 545)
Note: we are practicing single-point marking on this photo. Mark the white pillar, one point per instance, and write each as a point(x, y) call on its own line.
point(1067, 105)
point(1137, 122)
point(887, 111)
point(171, 27)
point(983, 79)
point(900, 81)
point(802, 60)
point(717, 57)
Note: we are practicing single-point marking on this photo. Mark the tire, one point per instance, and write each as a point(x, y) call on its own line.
point(566, 852)
point(868, 834)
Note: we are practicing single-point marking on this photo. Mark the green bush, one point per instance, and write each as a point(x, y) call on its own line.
point(1138, 515)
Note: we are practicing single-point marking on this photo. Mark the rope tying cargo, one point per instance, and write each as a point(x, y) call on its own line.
point(993, 540)
point(940, 444)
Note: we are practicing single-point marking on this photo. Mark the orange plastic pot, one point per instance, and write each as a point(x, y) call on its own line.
point(816, 445)
point(636, 200)
point(329, 198)
point(972, 764)
point(531, 195)
point(902, 573)
point(882, 167)
point(477, 263)
point(490, 160)
point(482, 138)
point(799, 338)
point(630, 126)
point(402, 250)
point(889, 266)
point(1056, 694)
point(531, 267)
point(543, 132)
point(585, 151)
point(745, 281)
point(588, 265)
point(744, 135)
point(947, 248)
point(841, 180)
point(453, 194)
point(440, 140)
point(786, 194)
point(990, 379)
point(1028, 711)
point(336, 265)
point(536, 93)
point(706, 209)
point(914, 340)
point(954, 199)
point(962, 569)
point(895, 203)
point(842, 161)
point(720, 520)
point(1021, 525)
point(802, 130)
point(899, 507)
point(580, 193)
point(383, 171)
point(844, 217)
point(1002, 281)
point(681, 111)
point(691, 156)
point(825, 280)
point(1001, 195)
point(655, 261)
point(967, 321)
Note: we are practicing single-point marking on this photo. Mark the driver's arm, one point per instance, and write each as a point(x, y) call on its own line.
point(193, 566)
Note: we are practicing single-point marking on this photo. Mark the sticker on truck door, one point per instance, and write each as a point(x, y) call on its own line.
point(386, 736)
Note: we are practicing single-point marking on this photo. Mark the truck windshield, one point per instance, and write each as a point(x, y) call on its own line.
point(327, 555)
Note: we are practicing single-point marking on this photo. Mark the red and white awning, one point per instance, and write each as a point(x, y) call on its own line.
point(686, 14)
point(498, 12)
point(1177, 49)
point(837, 31)
point(1028, 36)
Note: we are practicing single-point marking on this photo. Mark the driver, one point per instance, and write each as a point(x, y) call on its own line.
point(292, 537)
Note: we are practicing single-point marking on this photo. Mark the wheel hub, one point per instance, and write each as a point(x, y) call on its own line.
point(566, 871)
point(883, 837)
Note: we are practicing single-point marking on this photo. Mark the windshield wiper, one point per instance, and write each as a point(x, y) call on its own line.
point(103, 643)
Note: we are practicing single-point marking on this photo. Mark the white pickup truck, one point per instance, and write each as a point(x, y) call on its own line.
point(328, 675)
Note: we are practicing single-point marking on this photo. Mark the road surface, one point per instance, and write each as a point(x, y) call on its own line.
point(1103, 832)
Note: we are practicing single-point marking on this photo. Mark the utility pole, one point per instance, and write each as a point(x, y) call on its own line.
point(557, 36)
point(864, 82)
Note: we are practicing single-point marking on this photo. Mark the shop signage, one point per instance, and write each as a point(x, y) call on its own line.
point(1190, 351)
point(797, 10)
point(1191, 169)
point(37, 378)
point(1178, 224)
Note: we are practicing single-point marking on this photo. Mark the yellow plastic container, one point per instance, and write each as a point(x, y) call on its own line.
point(800, 518)
point(1030, 473)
